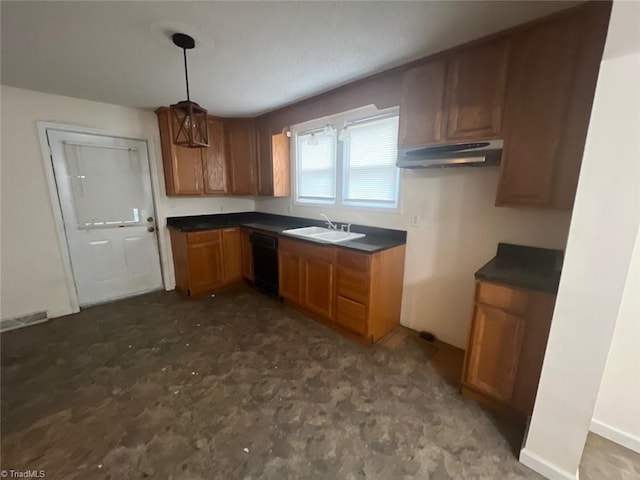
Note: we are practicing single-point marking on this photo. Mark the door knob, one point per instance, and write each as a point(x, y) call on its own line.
point(151, 229)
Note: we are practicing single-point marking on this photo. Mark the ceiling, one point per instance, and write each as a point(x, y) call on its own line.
point(250, 57)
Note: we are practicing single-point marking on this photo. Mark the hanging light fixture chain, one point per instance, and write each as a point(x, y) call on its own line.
point(190, 126)
point(186, 72)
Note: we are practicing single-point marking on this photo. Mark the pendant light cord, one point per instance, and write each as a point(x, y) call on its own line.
point(186, 72)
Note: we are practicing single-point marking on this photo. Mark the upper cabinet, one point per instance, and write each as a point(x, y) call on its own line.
point(476, 85)
point(240, 160)
point(422, 113)
point(182, 166)
point(242, 156)
point(552, 78)
point(274, 163)
point(532, 86)
point(214, 159)
point(458, 97)
point(193, 171)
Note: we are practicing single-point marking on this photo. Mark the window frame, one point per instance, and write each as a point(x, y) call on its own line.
point(352, 117)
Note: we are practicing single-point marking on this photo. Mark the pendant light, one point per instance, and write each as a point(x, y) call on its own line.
point(189, 120)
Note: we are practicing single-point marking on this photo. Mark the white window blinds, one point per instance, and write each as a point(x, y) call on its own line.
point(316, 154)
point(370, 172)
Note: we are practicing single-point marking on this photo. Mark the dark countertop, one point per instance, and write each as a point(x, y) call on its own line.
point(376, 239)
point(526, 267)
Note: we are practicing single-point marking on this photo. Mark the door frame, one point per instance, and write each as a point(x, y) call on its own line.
point(54, 197)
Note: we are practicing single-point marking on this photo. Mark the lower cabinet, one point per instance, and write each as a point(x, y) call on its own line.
point(507, 341)
point(358, 294)
point(497, 337)
point(206, 260)
point(317, 265)
point(232, 254)
point(289, 273)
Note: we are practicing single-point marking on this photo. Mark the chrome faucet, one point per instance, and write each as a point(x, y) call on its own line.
point(330, 224)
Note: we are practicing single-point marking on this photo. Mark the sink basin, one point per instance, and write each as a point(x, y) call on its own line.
point(323, 235)
point(306, 231)
point(336, 236)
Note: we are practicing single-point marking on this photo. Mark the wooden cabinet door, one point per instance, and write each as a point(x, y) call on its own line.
point(265, 168)
point(232, 249)
point(280, 165)
point(214, 159)
point(242, 156)
point(317, 285)
point(274, 163)
point(422, 105)
point(476, 85)
point(247, 255)
point(206, 266)
point(289, 275)
point(492, 361)
point(552, 79)
point(182, 166)
point(351, 315)
point(187, 168)
point(540, 82)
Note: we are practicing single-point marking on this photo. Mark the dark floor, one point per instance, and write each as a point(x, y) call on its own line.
point(234, 387)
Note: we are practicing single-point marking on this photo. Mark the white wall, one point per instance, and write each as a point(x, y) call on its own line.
point(617, 413)
point(604, 228)
point(459, 231)
point(32, 274)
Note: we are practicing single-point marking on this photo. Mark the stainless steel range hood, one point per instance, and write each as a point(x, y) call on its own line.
point(471, 154)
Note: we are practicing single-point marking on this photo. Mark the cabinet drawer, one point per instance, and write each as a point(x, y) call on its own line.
point(206, 236)
point(357, 261)
point(353, 284)
point(507, 298)
point(291, 246)
point(319, 252)
point(351, 315)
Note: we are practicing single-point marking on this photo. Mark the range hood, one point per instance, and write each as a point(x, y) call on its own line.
point(472, 154)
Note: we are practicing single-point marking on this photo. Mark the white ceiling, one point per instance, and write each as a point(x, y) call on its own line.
point(250, 57)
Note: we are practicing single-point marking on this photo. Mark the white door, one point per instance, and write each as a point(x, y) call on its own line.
point(104, 188)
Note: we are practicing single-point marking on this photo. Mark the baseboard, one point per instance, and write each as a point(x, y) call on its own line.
point(625, 439)
point(544, 468)
point(62, 313)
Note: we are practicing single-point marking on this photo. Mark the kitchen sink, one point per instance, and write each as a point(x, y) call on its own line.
point(306, 231)
point(323, 235)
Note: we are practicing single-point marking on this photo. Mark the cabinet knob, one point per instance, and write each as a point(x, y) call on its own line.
point(150, 219)
point(151, 229)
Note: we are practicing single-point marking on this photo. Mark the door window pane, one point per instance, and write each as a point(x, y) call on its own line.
point(93, 171)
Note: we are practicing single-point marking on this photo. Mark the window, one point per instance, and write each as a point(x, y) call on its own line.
point(316, 166)
point(370, 172)
point(355, 166)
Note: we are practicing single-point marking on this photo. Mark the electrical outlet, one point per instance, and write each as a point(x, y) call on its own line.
point(222, 208)
point(172, 204)
point(415, 220)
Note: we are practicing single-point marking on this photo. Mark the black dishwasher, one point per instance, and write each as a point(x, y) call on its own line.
point(265, 262)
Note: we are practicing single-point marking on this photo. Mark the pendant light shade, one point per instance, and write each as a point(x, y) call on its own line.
point(189, 120)
point(190, 127)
